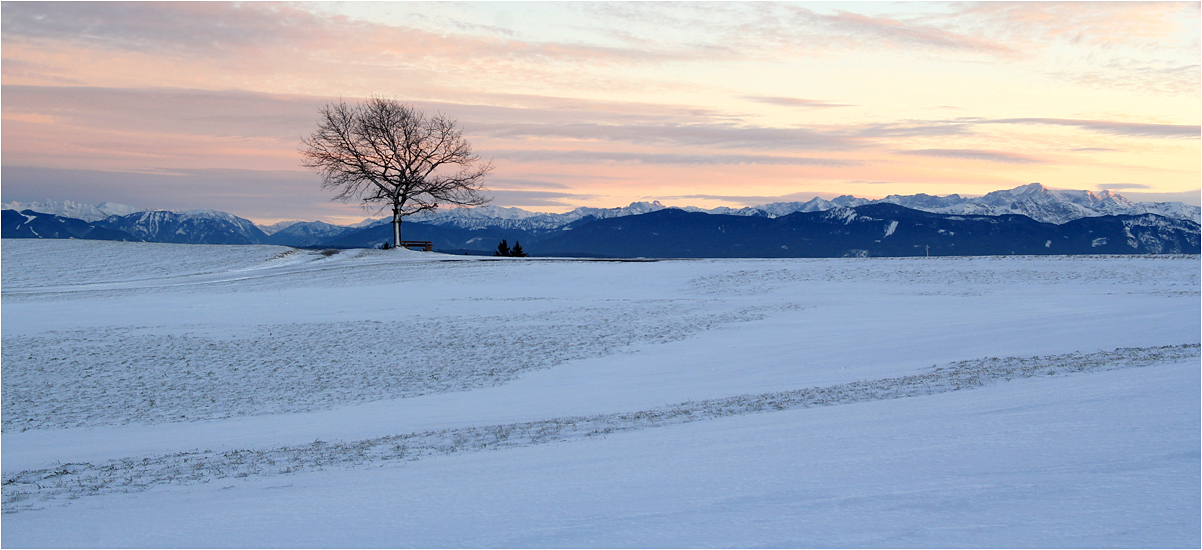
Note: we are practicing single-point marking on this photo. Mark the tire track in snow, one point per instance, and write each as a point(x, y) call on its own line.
point(34, 489)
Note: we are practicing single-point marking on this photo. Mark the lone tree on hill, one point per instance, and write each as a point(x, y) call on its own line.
point(387, 153)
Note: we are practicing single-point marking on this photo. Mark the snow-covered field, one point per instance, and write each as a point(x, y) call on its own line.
point(210, 396)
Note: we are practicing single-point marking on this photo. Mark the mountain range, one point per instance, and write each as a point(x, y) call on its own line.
point(1033, 200)
point(1029, 219)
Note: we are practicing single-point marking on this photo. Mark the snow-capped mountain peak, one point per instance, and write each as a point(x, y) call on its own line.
point(279, 226)
point(72, 209)
point(1034, 200)
point(190, 226)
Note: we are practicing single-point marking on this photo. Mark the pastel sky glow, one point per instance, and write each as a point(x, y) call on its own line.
point(203, 105)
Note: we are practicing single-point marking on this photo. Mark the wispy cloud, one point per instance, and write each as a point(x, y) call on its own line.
point(1135, 129)
point(1160, 76)
point(199, 126)
point(538, 198)
point(1149, 46)
point(1193, 197)
point(218, 113)
point(233, 30)
point(975, 154)
point(1092, 23)
point(589, 157)
point(768, 29)
point(1122, 186)
point(907, 33)
point(287, 48)
point(748, 200)
point(226, 112)
point(191, 28)
point(912, 128)
point(795, 102)
point(21, 69)
point(713, 135)
point(514, 184)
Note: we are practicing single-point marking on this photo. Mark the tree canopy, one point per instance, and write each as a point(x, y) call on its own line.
point(388, 153)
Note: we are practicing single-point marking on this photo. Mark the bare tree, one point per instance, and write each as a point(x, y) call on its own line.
point(384, 152)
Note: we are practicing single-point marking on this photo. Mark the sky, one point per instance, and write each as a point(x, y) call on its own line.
point(204, 105)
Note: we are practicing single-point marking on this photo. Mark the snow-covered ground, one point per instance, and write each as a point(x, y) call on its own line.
point(191, 395)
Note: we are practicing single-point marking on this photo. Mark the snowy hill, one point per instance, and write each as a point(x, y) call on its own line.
point(163, 395)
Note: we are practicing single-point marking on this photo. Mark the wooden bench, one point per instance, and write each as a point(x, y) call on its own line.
point(425, 246)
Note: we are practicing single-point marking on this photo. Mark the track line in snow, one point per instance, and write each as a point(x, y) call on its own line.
point(35, 489)
point(117, 376)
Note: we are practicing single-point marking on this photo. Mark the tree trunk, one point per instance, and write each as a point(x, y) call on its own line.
point(396, 226)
